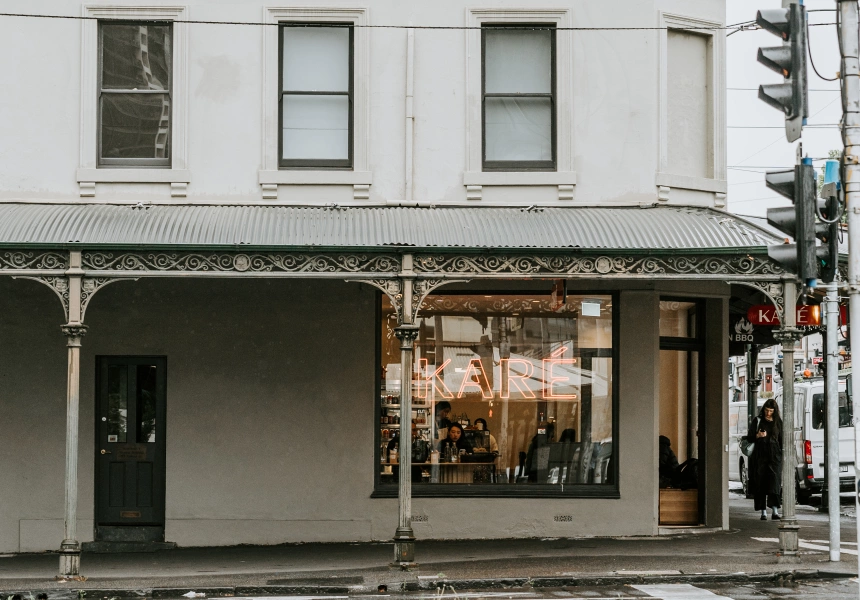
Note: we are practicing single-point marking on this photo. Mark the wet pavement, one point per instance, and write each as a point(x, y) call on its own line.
point(743, 560)
point(841, 589)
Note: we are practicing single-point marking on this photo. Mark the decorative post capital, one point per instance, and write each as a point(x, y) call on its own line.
point(406, 333)
point(74, 332)
point(787, 336)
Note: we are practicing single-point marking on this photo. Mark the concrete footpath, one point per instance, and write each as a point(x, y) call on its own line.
point(747, 552)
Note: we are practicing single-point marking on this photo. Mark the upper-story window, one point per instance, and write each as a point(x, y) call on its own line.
point(134, 105)
point(518, 97)
point(316, 95)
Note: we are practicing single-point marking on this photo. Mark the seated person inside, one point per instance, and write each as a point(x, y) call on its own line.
point(456, 441)
point(481, 425)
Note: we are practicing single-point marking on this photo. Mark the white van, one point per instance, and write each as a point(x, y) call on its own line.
point(809, 438)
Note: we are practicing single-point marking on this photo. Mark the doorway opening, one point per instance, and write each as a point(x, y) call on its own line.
point(682, 415)
point(131, 395)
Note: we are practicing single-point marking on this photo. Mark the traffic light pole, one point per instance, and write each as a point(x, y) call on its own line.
point(831, 422)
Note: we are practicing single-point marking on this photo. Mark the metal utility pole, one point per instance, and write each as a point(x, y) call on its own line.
point(831, 423)
point(850, 73)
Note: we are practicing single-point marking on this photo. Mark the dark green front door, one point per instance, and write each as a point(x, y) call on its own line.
point(130, 447)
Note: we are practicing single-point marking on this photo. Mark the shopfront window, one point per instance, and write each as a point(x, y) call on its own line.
point(677, 319)
point(507, 390)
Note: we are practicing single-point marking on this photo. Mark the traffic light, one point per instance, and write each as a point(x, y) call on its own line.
point(798, 185)
point(789, 60)
point(828, 231)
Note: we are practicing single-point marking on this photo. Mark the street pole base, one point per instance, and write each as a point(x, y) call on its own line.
point(70, 559)
point(404, 547)
point(788, 543)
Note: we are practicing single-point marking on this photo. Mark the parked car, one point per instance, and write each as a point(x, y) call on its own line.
point(809, 439)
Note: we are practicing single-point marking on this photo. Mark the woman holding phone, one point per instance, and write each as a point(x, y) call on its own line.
point(766, 461)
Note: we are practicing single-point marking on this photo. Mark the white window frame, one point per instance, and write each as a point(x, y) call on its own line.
point(270, 176)
point(88, 174)
point(564, 176)
point(717, 47)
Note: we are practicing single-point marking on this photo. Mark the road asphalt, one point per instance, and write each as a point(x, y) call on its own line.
point(747, 552)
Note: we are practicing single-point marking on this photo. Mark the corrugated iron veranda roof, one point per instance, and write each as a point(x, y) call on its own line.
point(661, 228)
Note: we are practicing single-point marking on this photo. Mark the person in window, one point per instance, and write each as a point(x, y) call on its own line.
point(544, 437)
point(766, 461)
point(668, 462)
point(419, 453)
point(443, 409)
point(456, 439)
point(481, 425)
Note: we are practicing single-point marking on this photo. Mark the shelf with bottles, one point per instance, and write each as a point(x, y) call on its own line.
point(414, 406)
point(397, 426)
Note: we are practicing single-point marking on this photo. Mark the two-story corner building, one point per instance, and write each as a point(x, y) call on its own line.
point(513, 212)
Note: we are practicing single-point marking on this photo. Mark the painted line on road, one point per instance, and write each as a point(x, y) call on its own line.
point(678, 591)
point(809, 546)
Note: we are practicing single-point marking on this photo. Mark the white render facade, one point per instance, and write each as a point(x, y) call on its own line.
point(639, 122)
point(625, 132)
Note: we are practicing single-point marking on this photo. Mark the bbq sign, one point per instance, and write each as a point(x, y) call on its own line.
point(743, 332)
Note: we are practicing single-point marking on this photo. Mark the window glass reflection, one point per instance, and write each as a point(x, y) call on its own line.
point(146, 403)
point(506, 389)
point(117, 417)
point(677, 319)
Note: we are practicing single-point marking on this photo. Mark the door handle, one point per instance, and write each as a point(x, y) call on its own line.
point(106, 451)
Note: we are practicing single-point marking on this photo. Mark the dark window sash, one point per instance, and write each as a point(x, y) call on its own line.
point(499, 165)
point(512, 490)
point(307, 163)
point(108, 162)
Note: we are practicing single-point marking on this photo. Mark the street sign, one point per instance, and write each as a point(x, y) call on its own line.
point(807, 316)
point(817, 360)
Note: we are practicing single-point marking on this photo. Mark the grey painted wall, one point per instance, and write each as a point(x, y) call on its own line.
point(270, 417)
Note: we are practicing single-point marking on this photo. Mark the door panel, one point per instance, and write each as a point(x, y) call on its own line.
point(130, 443)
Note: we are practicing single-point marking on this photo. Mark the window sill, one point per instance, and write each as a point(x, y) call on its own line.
point(609, 492)
point(519, 178)
point(139, 175)
point(685, 182)
point(476, 180)
point(315, 177)
point(359, 180)
point(177, 178)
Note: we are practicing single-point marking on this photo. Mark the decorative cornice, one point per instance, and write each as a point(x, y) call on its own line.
point(27, 259)
point(59, 285)
point(224, 262)
point(421, 288)
point(571, 265)
point(90, 285)
point(507, 305)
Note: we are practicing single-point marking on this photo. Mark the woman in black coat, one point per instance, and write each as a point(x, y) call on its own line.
point(766, 461)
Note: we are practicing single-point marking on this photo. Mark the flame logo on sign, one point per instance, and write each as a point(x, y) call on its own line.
point(743, 327)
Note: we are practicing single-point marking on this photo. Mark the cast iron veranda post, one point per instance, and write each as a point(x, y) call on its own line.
point(406, 332)
point(753, 382)
point(74, 330)
point(787, 336)
point(404, 538)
